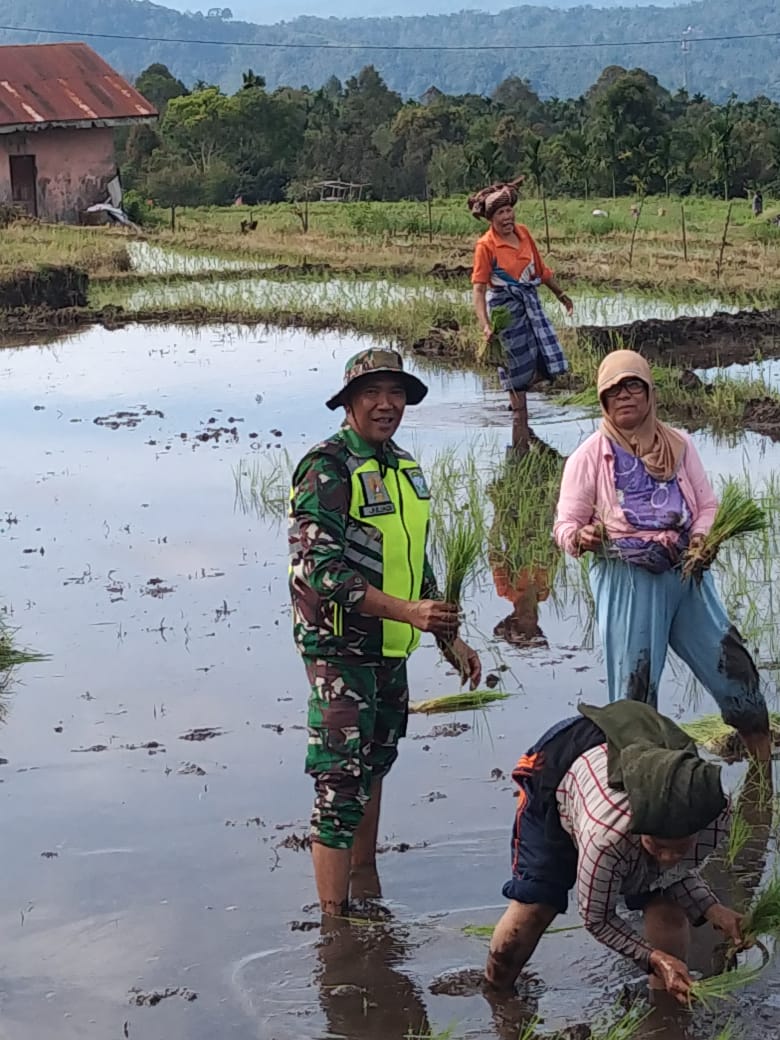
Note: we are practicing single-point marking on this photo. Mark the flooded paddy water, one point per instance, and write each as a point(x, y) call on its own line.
point(154, 793)
point(350, 293)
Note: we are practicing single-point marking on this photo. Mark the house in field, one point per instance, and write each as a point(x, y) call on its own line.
point(60, 105)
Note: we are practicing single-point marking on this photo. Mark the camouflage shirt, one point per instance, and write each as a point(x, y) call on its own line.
point(328, 581)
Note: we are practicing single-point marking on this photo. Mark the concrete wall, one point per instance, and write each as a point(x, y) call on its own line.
point(73, 168)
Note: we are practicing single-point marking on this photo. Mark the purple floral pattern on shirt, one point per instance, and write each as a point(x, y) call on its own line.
point(649, 505)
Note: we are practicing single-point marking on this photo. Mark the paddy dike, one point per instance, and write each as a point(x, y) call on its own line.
point(696, 342)
point(49, 287)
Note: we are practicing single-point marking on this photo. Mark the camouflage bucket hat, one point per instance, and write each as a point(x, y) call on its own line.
point(369, 362)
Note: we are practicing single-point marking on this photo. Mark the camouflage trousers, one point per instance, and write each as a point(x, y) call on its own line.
point(357, 714)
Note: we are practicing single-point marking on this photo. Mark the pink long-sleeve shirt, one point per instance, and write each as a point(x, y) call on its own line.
point(588, 495)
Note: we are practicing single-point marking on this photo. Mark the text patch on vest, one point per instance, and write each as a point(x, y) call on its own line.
point(377, 499)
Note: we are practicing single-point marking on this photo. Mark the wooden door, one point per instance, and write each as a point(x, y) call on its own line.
point(24, 186)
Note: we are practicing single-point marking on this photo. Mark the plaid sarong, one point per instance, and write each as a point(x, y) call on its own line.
point(530, 342)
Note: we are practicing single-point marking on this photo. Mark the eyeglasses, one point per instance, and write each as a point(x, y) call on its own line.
point(633, 386)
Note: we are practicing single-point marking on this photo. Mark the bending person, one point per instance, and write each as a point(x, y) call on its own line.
point(609, 803)
point(635, 495)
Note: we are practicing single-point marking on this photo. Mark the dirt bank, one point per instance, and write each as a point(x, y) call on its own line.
point(48, 286)
point(701, 342)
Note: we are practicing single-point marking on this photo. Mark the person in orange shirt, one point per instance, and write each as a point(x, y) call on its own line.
point(507, 273)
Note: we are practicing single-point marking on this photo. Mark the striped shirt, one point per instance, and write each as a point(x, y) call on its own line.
point(612, 862)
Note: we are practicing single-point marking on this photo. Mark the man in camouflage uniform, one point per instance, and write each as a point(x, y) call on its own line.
point(362, 590)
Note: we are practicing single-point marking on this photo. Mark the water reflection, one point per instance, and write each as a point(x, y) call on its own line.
point(363, 991)
point(523, 557)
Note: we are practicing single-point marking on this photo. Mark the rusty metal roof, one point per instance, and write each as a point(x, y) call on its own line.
point(64, 84)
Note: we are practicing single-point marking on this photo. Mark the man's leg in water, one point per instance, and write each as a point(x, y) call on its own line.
point(515, 938)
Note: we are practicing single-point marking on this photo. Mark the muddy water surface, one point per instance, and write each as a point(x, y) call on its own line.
point(154, 776)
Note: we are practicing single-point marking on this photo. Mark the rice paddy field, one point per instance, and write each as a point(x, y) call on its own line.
point(156, 878)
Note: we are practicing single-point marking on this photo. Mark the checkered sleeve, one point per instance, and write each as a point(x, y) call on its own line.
point(691, 891)
point(602, 865)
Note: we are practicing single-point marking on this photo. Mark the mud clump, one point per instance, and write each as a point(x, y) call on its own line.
point(50, 286)
point(698, 342)
point(449, 729)
point(457, 273)
point(296, 842)
point(190, 769)
point(155, 996)
point(762, 415)
point(443, 340)
point(202, 733)
point(128, 419)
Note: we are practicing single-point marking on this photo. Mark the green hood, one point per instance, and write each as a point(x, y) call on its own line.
point(673, 793)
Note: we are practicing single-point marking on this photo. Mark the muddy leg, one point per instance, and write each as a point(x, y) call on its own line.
point(521, 433)
point(515, 938)
point(331, 873)
point(364, 880)
point(703, 636)
point(667, 929)
point(364, 848)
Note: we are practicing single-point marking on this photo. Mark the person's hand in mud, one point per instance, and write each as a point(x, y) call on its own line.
point(432, 615)
point(729, 922)
point(591, 537)
point(673, 973)
point(465, 660)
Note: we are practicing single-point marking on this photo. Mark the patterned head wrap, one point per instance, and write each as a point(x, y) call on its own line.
point(484, 203)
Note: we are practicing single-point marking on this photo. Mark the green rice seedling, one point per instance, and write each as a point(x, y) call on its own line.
point(740, 834)
point(625, 1026)
point(468, 700)
point(492, 352)
point(763, 917)
point(728, 1032)
point(485, 931)
point(725, 985)
point(737, 515)
point(712, 733)
point(461, 548)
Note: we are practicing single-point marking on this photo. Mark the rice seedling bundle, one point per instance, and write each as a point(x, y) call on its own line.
point(711, 732)
point(469, 700)
point(737, 515)
point(725, 985)
point(763, 917)
point(492, 352)
point(740, 834)
point(461, 547)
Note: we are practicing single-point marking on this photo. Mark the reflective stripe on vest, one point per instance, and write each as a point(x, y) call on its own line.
point(396, 503)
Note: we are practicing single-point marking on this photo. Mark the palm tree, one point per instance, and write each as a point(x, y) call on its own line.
point(251, 81)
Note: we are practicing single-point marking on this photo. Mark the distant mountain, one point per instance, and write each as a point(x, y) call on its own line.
point(746, 67)
point(263, 11)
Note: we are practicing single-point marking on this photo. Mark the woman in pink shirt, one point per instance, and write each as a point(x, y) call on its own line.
point(635, 496)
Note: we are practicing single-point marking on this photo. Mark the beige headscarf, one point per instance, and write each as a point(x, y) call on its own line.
point(658, 446)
